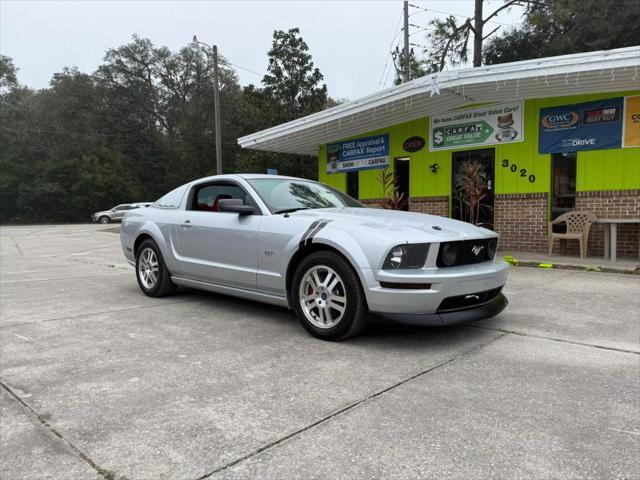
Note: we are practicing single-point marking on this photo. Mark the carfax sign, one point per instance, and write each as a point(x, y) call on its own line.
point(489, 125)
point(360, 154)
point(582, 126)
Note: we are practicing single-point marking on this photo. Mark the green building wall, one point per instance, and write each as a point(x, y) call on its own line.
point(616, 169)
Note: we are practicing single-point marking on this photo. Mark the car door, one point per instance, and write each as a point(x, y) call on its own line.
point(218, 247)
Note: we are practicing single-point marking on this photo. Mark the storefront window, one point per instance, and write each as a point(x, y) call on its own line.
point(563, 183)
point(352, 184)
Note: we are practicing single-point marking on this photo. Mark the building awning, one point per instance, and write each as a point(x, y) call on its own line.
point(581, 73)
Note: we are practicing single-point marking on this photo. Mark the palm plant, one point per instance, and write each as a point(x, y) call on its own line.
point(470, 186)
point(393, 200)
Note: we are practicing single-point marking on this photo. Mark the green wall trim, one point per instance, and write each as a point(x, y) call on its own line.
point(597, 170)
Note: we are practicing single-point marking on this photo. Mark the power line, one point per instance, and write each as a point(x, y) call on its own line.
point(383, 80)
point(420, 29)
point(459, 15)
point(244, 68)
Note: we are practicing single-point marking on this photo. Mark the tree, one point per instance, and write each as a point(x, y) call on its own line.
point(8, 78)
point(140, 125)
point(573, 25)
point(291, 78)
point(292, 88)
point(412, 63)
point(167, 102)
point(15, 107)
point(450, 37)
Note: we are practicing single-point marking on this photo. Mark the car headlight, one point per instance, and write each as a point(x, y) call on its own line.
point(449, 254)
point(406, 256)
point(492, 246)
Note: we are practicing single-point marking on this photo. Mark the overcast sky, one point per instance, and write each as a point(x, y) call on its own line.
point(349, 40)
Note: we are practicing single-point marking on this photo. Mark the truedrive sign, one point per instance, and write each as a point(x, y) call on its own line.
point(489, 125)
point(582, 126)
point(360, 154)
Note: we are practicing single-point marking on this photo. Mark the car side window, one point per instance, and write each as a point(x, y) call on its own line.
point(207, 197)
point(171, 199)
point(121, 207)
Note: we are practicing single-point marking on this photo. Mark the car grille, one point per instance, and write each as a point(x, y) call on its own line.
point(466, 254)
point(469, 300)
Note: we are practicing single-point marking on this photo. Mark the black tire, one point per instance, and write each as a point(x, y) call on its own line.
point(163, 285)
point(354, 318)
point(104, 220)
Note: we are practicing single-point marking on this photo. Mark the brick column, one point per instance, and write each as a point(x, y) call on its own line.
point(521, 221)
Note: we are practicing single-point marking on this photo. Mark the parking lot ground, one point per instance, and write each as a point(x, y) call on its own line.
point(99, 381)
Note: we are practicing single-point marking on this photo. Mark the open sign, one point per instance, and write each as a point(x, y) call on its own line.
point(413, 144)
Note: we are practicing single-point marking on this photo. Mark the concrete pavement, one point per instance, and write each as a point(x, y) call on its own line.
point(99, 381)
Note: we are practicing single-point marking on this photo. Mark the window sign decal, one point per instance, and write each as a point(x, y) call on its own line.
point(488, 125)
point(359, 154)
point(631, 124)
point(583, 126)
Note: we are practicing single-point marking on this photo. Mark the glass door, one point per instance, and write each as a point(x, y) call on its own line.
point(472, 186)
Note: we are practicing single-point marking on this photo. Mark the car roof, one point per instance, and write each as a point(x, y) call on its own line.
point(249, 176)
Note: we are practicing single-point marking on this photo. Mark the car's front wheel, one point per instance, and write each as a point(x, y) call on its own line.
point(327, 297)
point(153, 277)
point(104, 219)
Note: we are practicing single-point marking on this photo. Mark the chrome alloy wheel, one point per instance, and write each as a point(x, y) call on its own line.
point(322, 296)
point(148, 268)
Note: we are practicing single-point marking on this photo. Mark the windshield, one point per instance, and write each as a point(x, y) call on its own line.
point(289, 195)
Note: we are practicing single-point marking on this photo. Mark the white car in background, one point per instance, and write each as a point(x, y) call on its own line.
point(117, 213)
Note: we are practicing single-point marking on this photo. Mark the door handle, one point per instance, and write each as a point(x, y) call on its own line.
point(187, 224)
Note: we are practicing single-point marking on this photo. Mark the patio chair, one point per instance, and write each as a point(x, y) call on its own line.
point(578, 226)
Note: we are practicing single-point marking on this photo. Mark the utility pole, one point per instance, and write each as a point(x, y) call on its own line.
point(406, 70)
point(216, 108)
point(216, 102)
point(478, 25)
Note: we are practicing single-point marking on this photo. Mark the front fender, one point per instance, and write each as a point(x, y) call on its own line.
point(345, 244)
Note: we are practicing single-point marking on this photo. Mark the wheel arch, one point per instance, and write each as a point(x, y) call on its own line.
point(150, 230)
point(306, 250)
point(138, 241)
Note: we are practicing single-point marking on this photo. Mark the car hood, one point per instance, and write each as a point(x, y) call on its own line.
point(398, 225)
point(103, 212)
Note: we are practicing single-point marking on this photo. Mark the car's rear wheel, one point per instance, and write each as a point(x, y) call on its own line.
point(327, 297)
point(104, 219)
point(153, 277)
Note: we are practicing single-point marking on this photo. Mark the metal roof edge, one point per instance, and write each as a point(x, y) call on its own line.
point(540, 67)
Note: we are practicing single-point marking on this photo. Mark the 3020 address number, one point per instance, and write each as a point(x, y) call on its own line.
point(523, 171)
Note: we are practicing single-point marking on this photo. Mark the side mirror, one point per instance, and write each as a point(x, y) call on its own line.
point(234, 205)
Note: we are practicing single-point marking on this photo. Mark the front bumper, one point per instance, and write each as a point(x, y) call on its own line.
point(424, 306)
point(477, 312)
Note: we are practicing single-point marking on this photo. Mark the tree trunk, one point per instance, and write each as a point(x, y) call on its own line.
point(477, 34)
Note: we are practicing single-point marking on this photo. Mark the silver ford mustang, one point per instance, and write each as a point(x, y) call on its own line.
point(306, 246)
